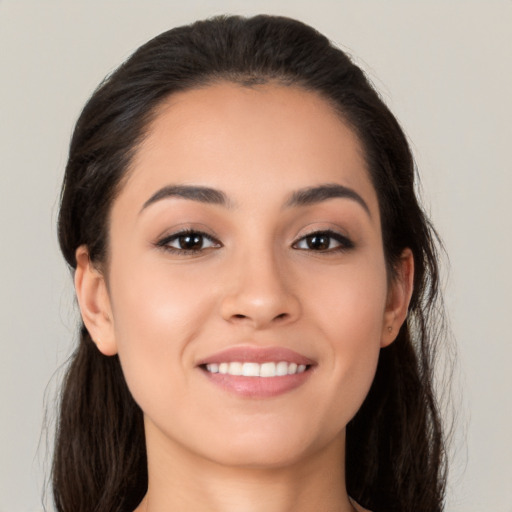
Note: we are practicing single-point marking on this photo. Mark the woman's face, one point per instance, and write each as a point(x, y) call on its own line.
point(247, 239)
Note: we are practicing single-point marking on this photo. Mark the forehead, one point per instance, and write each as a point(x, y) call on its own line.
point(264, 139)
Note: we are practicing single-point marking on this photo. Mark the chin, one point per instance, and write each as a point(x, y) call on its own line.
point(269, 448)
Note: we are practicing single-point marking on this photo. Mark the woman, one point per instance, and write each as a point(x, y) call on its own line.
point(256, 281)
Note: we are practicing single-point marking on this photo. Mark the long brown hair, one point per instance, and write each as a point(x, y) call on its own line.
point(395, 445)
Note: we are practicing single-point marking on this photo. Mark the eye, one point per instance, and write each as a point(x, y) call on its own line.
point(324, 241)
point(188, 242)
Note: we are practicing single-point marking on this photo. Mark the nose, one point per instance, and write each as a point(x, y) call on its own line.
point(259, 293)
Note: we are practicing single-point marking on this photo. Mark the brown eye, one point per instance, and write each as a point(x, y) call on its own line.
point(187, 242)
point(324, 241)
point(318, 242)
point(190, 242)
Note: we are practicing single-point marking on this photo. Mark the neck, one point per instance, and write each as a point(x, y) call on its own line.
point(180, 480)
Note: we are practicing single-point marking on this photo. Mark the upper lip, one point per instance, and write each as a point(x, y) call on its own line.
point(248, 354)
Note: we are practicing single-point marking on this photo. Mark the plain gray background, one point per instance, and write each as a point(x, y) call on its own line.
point(444, 68)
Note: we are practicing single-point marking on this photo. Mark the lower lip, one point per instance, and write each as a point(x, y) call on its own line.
point(258, 387)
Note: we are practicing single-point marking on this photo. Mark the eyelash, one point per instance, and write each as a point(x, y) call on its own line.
point(345, 243)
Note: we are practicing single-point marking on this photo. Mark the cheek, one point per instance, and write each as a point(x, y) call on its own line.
point(152, 299)
point(350, 315)
point(349, 303)
point(157, 315)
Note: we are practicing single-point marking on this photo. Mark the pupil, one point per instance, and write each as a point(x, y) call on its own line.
point(191, 242)
point(319, 242)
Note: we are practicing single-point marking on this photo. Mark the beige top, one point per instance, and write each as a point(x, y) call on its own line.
point(357, 506)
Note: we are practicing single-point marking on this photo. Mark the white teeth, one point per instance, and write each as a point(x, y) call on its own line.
point(213, 368)
point(279, 369)
point(251, 369)
point(268, 370)
point(235, 368)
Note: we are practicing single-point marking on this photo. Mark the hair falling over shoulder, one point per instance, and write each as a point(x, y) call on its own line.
point(395, 444)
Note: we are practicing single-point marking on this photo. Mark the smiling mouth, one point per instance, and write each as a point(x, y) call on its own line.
point(252, 369)
point(257, 372)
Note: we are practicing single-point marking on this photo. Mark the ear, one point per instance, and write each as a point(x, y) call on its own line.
point(399, 296)
point(93, 299)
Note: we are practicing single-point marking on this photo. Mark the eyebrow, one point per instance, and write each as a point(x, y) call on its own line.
point(313, 195)
point(303, 197)
point(195, 193)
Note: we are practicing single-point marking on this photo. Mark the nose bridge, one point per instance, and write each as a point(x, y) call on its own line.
point(260, 290)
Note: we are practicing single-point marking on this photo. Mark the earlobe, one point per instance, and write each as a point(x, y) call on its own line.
point(399, 297)
point(93, 299)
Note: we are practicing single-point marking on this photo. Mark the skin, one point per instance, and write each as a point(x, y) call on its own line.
point(256, 283)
